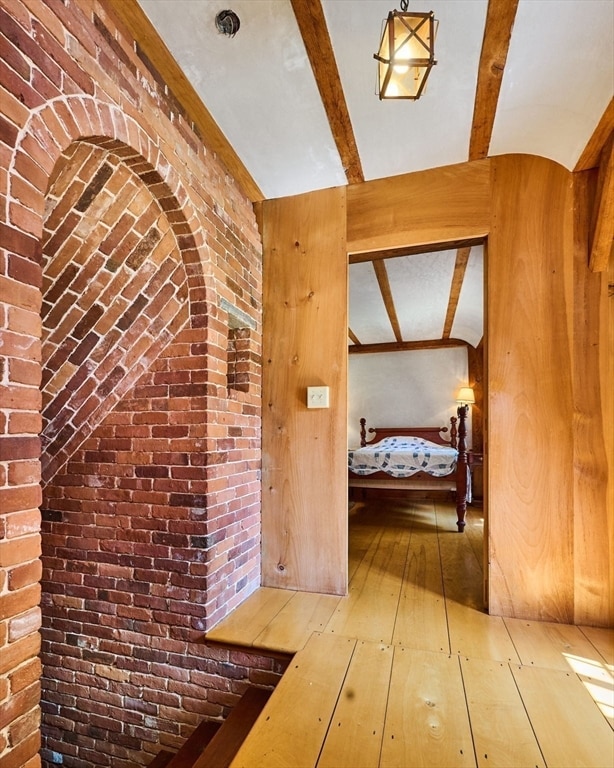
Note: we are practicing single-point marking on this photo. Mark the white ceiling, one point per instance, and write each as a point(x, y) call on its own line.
point(261, 92)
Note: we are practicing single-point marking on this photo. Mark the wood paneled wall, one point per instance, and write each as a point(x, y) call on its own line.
point(530, 439)
point(304, 474)
point(593, 418)
point(546, 381)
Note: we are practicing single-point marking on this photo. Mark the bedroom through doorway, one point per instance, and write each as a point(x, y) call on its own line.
point(416, 335)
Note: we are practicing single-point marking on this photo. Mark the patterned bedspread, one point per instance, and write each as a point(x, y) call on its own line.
point(403, 457)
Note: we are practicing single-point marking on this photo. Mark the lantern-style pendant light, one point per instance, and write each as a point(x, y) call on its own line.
point(406, 53)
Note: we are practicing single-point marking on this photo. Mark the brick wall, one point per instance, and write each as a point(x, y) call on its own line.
point(122, 244)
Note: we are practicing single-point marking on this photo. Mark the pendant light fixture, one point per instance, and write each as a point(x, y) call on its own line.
point(406, 53)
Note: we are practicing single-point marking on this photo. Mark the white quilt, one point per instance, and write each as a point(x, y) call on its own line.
point(403, 457)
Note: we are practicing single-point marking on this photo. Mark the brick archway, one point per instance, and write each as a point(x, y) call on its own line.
point(60, 122)
point(169, 511)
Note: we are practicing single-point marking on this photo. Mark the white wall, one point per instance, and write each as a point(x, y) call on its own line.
point(404, 388)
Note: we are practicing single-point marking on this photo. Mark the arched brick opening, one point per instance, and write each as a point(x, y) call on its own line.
point(114, 294)
point(145, 546)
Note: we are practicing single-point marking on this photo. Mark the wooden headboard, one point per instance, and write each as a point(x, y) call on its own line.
point(434, 434)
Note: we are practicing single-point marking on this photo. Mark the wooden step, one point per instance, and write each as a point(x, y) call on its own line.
point(162, 759)
point(222, 748)
point(194, 745)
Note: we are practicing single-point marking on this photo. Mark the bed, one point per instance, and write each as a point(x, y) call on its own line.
point(414, 458)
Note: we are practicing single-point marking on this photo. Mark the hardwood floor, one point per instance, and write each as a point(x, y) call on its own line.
point(409, 670)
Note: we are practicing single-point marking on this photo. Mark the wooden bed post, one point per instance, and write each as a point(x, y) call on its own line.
point(363, 433)
point(461, 468)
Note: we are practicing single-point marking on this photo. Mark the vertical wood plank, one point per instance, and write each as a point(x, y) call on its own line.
point(472, 631)
point(577, 735)
point(371, 606)
point(281, 737)
point(593, 475)
point(502, 732)
point(362, 536)
point(304, 473)
point(530, 406)
point(355, 734)
point(549, 644)
point(421, 616)
point(249, 619)
point(427, 722)
point(603, 640)
point(304, 614)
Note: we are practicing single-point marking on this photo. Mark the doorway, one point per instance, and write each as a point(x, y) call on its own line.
point(415, 337)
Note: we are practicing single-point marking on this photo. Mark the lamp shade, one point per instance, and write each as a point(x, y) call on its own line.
point(406, 54)
point(465, 396)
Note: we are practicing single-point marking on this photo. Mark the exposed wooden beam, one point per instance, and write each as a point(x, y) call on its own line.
point(591, 155)
point(405, 346)
point(602, 232)
point(312, 25)
point(391, 253)
point(495, 45)
point(460, 267)
point(152, 45)
point(384, 286)
point(353, 336)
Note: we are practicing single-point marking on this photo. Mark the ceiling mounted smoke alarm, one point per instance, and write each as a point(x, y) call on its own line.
point(227, 22)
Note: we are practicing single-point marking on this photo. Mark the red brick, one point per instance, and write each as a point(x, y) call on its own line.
point(15, 603)
point(19, 705)
point(25, 271)
point(18, 87)
point(17, 448)
point(14, 654)
point(25, 372)
point(23, 575)
point(22, 397)
point(13, 57)
point(22, 523)
point(21, 550)
point(25, 321)
point(23, 296)
point(24, 423)
point(8, 132)
point(29, 196)
point(25, 675)
point(23, 754)
point(25, 624)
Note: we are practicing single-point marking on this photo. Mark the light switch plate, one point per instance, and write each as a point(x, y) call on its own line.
point(317, 397)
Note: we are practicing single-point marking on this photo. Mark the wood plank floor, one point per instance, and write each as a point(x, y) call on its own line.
point(409, 670)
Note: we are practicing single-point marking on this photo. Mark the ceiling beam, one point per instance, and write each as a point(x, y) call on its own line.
point(353, 337)
point(414, 250)
point(602, 231)
point(405, 346)
point(591, 155)
point(151, 44)
point(384, 286)
point(460, 267)
point(312, 25)
point(495, 45)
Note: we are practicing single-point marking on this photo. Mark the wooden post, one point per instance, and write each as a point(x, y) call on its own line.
point(453, 431)
point(461, 468)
